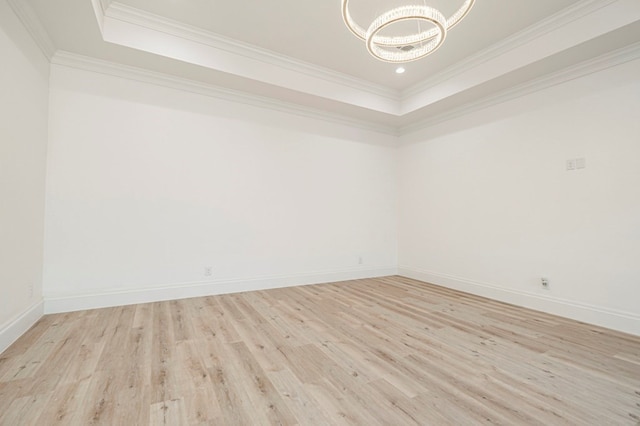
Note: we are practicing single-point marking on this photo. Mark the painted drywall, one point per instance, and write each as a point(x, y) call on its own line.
point(24, 77)
point(148, 186)
point(487, 205)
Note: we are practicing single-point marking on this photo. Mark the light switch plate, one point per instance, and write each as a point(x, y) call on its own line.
point(571, 164)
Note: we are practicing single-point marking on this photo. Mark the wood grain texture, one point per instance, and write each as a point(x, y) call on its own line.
point(389, 351)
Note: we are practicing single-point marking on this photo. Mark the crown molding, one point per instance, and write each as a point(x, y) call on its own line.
point(34, 27)
point(529, 34)
point(591, 66)
point(136, 17)
point(582, 69)
point(86, 63)
point(98, 9)
point(154, 22)
point(142, 30)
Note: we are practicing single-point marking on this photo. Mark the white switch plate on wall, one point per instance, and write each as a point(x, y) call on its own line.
point(576, 163)
point(571, 164)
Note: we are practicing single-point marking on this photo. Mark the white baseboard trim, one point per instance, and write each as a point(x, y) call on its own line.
point(11, 330)
point(58, 303)
point(617, 320)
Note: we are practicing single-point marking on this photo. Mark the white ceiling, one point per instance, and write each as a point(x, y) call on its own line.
point(299, 52)
point(313, 31)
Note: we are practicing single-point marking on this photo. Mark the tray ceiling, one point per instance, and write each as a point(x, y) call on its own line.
point(300, 52)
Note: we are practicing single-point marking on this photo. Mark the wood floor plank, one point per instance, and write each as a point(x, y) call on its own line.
point(299, 397)
point(25, 407)
point(171, 412)
point(380, 351)
point(65, 406)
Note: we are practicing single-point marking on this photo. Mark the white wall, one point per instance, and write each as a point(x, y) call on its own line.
point(23, 136)
point(148, 185)
point(487, 206)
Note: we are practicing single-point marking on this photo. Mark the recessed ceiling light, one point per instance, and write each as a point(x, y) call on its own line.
point(400, 70)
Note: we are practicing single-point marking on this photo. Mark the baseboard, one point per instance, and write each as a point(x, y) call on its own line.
point(609, 318)
point(57, 303)
point(16, 327)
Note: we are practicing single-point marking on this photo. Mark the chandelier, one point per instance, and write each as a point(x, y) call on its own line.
point(405, 47)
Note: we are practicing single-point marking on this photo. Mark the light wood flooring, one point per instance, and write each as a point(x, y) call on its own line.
point(388, 351)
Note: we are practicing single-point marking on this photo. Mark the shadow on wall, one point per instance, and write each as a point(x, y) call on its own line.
point(532, 96)
point(214, 102)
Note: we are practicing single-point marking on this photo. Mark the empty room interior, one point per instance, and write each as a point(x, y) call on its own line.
point(319, 212)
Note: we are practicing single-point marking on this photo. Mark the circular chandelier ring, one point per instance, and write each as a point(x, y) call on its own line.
point(407, 13)
point(399, 41)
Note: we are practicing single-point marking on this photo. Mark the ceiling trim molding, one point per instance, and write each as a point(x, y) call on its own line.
point(90, 64)
point(98, 9)
point(34, 27)
point(146, 19)
point(529, 34)
point(591, 66)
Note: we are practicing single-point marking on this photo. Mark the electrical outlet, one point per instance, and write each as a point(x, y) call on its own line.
point(544, 282)
point(208, 271)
